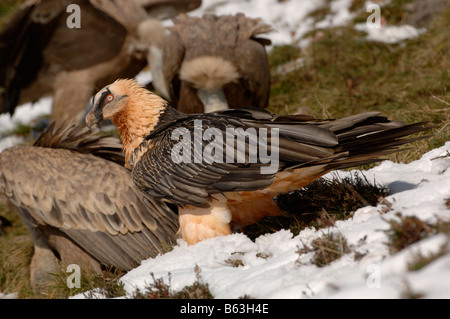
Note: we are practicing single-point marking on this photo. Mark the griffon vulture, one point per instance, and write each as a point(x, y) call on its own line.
point(49, 48)
point(209, 63)
point(81, 205)
point(226, 167)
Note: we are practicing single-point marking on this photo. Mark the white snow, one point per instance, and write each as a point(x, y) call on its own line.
point(10, 141)
point(13, 295)
point(340, 14)
point(289, 19)
point(144, 77)
point(273, 268)
point(390, 34)
point(25, 114)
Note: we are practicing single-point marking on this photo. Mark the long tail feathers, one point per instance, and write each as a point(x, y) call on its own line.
point(310, 148)
point(352, 141)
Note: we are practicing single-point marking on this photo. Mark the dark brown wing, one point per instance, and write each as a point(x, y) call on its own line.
point(339, 143)
point(37, 44)
point(78, 138)
point(173, 54)
point(22, 42)
point(125, 12)
point(231, 37)
point(252, 63)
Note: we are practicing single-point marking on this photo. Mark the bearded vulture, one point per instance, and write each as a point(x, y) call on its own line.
point(225, 167)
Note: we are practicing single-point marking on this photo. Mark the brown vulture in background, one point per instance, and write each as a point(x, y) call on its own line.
point(41, 55)
point(216, 189)
point(209, 63)
point(81, 205)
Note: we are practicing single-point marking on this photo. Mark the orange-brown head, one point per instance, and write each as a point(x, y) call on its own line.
point(132, 108)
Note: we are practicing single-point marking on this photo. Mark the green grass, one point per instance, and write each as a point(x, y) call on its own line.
point(16, 249)
point(343, 74)
point(92, 285)
point(7, 8)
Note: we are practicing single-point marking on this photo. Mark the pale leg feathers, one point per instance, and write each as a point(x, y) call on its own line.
point(197, 224)
point(242, 208)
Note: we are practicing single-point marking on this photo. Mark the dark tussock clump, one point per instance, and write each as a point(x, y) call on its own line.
point(337, 198)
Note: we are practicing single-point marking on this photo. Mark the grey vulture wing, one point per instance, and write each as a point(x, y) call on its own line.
point(65, 192)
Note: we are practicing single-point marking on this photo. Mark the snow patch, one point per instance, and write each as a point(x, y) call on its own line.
point(272, 267)
point(390, 34)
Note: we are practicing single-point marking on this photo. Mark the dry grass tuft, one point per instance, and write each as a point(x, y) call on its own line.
point(409, 293)
point(235, 261)
point(160, 290)
point(407, 230)
point(326, 249)
point(419, 260)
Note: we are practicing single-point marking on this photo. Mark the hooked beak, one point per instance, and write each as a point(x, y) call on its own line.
point(94, 117)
